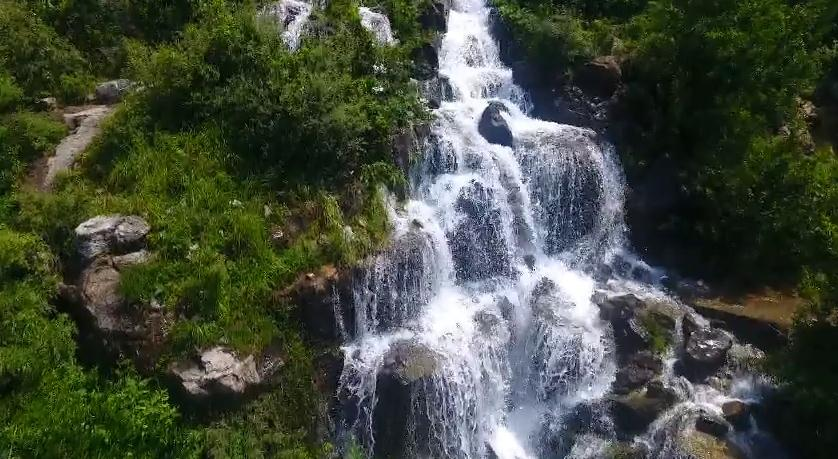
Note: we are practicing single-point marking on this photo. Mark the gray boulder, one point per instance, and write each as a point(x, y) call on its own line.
point(493, 127)
point(110, 327)
point(216, 373)
point(112, 234)
point(111, 92)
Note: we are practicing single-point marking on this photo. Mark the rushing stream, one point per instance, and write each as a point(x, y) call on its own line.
point(476, 333)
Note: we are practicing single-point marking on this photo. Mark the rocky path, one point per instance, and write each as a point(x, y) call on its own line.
point(85, 125)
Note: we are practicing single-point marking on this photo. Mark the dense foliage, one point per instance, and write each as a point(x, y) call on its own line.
point(231, 141)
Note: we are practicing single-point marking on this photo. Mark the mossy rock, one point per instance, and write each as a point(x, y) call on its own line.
point(700, 445)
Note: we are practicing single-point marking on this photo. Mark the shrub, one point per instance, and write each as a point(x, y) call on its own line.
point(10, 93)
point(33, 53)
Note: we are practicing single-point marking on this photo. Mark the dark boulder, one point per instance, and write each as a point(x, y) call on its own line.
point(434, 15)
point(621, 313)
point(425, 62)
point(737, 413)
point(319, 303)
point(407, 145)
point(712, 425)
point(600, 77)
point(634, 412)
point(704, 352)
point(641, 368)
point(585, 418)
point(394, 286)
point(407, 369)
point(493, 126)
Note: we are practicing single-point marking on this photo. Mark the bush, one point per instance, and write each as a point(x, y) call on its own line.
point(33, 53)
point(10, 93)
point(315, 116)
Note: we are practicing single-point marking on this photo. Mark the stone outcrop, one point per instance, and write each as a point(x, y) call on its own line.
point(314, 296)
point(111, 92)
point(219, 373)
point(634, 412)
point(425, 62)
point(434, 15)
point(700, 445)
point(110, 327)
point(407, 367)
point(408, 143)
point(600, 77)
point(737, 413)
point(636, 323)
point(477, 245)
point(110, 234)
point(705, 350)
point(640, 368)
point(712, 425)
point(493, 126)
point(85, 126)
point(436, 90)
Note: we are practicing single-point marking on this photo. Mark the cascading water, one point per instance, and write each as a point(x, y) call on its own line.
point(475, 333)
point(291, 16)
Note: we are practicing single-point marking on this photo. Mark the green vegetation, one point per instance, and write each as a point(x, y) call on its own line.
point(250, 163)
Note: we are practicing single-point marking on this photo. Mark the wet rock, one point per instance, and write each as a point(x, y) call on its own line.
point(699, 445)
point(478, 245)
point(711, 424)
point(634, 412)
point(436, 90)
point(578, 422)
point(493, 126)
point(407, 367)
point(102, 301)
point(217, 373)
point(621, 313)
point(737, 413)
point(425, 62)
point(705, 351)
point(599, 77)
point(112, 234)
point(394, 286)
point(407, 144)
point(639, 370)
point(487, 322)
point(316, 298)
point(434, 15)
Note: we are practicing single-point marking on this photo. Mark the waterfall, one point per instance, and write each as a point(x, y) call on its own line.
point(291, 16)
point(475, 332)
